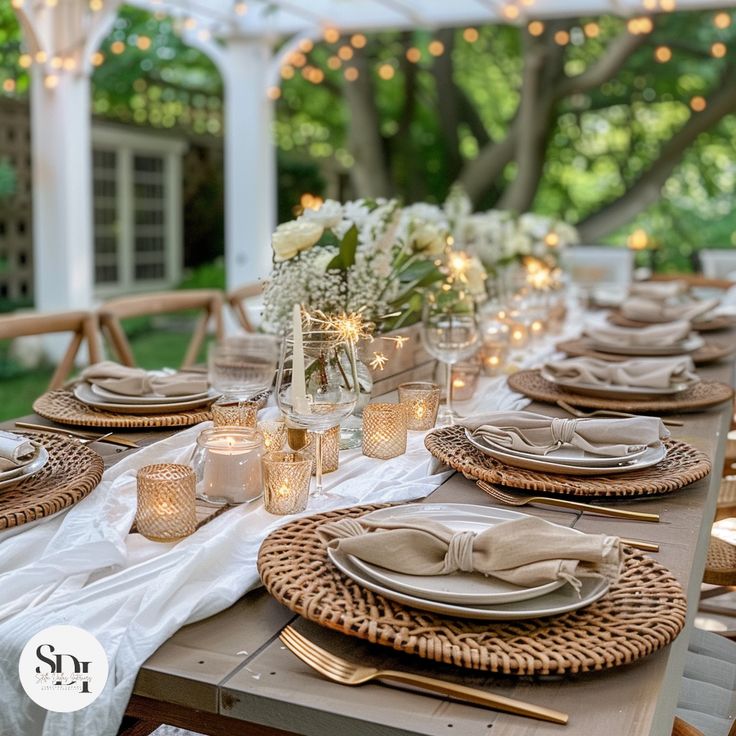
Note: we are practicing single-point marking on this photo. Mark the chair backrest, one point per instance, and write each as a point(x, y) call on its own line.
point(599, 265)
point(718, 263)
point(236, 299)
point(145, 305)
point(82, 325)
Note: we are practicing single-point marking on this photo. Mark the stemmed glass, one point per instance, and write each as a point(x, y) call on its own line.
point(450, 333)
point(327, 392)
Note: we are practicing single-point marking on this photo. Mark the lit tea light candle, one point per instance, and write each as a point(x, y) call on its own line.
point(274, 434)
point(492, 358)
point(229, 464)
point(464, 380)
point(537, 328)
point(518, 335)
point(384, 430)
point(166, 502)
point(286, 478)
point(330, 449)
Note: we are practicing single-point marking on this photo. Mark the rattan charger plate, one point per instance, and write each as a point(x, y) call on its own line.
point(683, 465)
point(719, 322)
point(642, 612)
point(699, 396)
point(72, 472)
point(61, 406)
point(711, 352)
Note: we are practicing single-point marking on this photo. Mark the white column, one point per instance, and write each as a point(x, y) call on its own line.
point(62, 192)
point(250, 160)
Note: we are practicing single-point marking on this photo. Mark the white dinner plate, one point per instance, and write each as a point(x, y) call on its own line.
point(565, 455)
point(31, 468)
point(104, 394)
point(21, 468)
point(84, 393)
point(559, 601)
point(615, 391)
point(460, 587)
point(688, 345)
point(651, 456)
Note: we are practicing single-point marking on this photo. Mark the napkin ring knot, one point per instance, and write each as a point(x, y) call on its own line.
point(459, 554)
point(563, 430)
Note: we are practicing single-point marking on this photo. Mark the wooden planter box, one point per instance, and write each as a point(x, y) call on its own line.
point(410, 363)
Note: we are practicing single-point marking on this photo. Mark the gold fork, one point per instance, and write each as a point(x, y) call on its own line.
point(512, 499)
point(346, 673)
point(608, 413)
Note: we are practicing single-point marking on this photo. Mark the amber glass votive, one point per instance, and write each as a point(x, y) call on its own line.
point(274, 434)
point(330, 449)
point(235, 414)
point(384, 430)
point(286, 477)
point(166, 498)
point(421, 400)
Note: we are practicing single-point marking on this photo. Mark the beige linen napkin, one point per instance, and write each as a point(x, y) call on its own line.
point(639, 372)
point(648, 310)
point(138, 382)
point(539, 434)
point(526, 552)
point(658, 290)
point(14, 450)
point(657, 335)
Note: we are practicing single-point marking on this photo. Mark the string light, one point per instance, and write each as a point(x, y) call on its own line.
point(240, 8)
point(718, 50)
point(190, 23)
point(306, 45)
point(386, 71)
point(413, 54)
point(698, 103)
point(69, 64)
point(41, 57)
point(9, 85)
point(351, 74)
point(592, 30)
point(722, 20)
point(667, 5)
point(95, 5)
point(650, 4)
point(638, 240)
point(536, 28)
point(331, 35)
point(334, 62)
point(511, 12)
point(298, 59)
point(639, 26)
point(25, 60)
point(436, 48)
point(562, 38)
point(56, 62)
point(117, 47)
point(471, 35)
point(345, 53)
point(51, 81)
point(273, 93)
point(358, 41)
point(144, 43)
point(287, 71)
point(17, 4)
point(97, 58)
point(663, 54)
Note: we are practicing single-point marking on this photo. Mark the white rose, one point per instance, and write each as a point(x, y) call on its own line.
point(328, 215)
point(476, 277)
point(292, 237)
point(428, 239)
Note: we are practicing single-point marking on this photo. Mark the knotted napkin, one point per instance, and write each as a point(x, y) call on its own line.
point(639, 372)
point(15, 450)
point(526, 552)
point(538, 434)
point(127, 381)
point(658, 290)
point(649, 310)
point(657, 335)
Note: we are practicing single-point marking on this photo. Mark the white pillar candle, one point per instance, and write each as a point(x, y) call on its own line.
point(298, 380)
point(232, 469)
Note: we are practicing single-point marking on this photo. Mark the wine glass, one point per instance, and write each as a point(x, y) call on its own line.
point(450, 333)
point(317, 385)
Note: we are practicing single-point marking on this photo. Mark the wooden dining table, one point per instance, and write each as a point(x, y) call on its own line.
point(230, 675)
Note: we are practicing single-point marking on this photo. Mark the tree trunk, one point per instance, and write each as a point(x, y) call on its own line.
point(448, 104)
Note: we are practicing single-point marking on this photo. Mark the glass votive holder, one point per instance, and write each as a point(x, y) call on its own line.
point(330, 450)
point(228, 464)
point(286, 477)
point(493, 357)
point(518, 335)
point(274, 434)
point(166, 502)
point(464, 380)
point(235, 414)
point(421, 400)
point(384, 430)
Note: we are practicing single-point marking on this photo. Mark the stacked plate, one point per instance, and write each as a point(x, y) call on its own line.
point(612, 391)
point(469, 595)
point(105, 400)
point(569, 460)
point(27, 467)
point(690, 344)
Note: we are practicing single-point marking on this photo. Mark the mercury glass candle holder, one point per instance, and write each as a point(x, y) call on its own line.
point(421, 400)
point(235, 414)
point(330, 450)
point(384, 430)
point(286, 477)
point(518, 335)
point(274, 434)
point(464, 380)
point(493, 357)
point(166, 502)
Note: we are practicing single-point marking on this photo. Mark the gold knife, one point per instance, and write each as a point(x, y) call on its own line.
point(113, 439)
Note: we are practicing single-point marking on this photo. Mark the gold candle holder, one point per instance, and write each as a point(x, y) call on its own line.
point(274, 434)
point(493, 357)
point(286, 478)
point(464, 380)
point(235, 414)
point(384, 430)
point(421, 400)
point(166, 502)
point(330, 450)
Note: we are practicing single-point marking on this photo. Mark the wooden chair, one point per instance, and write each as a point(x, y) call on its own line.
point(82, 325)
point(145, 305)
point(236, 298)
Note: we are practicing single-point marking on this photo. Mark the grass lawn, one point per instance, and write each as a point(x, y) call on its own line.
point(152, 348)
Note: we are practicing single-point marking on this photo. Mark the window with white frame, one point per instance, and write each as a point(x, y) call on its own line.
point(137, 210)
